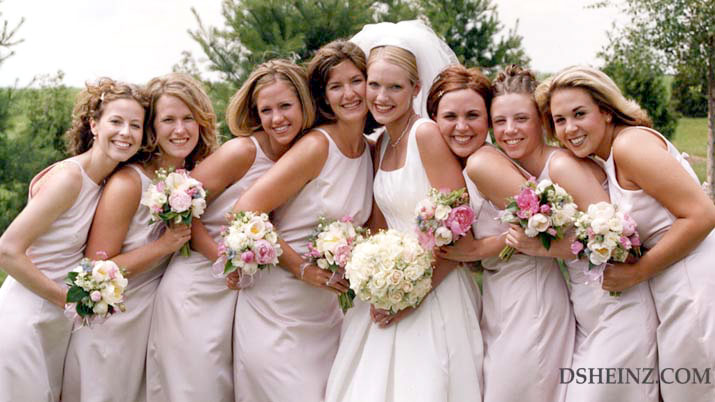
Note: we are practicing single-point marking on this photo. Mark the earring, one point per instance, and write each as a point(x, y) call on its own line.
point(608, 118)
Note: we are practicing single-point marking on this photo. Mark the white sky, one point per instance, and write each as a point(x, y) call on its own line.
point(135, 40)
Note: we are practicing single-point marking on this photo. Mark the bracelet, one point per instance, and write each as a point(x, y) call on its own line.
point(302, 268)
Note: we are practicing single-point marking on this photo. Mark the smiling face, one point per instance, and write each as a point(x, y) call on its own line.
point(118, 132)
point(280, 112)
point(389, 91)
point(579, 123)
point(177, 132)
point(462, 120)
point(345, 92)
point(516, 123)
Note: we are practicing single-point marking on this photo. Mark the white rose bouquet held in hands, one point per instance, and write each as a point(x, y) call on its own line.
point(175, 197)
point(330, 248)
point(545, 210)
point(390, 270)
point(443, 217)
point(96, 291)
point(603, 235)
point(247, 244)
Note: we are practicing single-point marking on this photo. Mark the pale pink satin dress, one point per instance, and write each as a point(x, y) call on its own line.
point(34, 333)
point(107, 362)
point(286, 331)
point(684, 293)
point(189, 356)
point(435, 353)
point(527, 322)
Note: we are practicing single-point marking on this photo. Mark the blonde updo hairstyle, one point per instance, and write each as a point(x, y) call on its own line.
point(604, 92)
point(242, 113)
point(190, 92)
point(89, 105)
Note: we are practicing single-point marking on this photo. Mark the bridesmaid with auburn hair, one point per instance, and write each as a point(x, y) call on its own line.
point(651, 181)
point(190, 355)
point(108, 360)
point(288, 323)
point(47, 239)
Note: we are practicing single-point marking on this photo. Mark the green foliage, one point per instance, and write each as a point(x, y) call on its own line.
point(690, 91)
point(692, 137)
point(8, 39)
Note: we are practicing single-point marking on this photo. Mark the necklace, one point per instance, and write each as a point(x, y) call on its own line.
point(404, 131)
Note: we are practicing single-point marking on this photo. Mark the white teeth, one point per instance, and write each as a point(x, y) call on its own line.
point(381, 108)
point(280, 129)
point(351, 105)
point(461, 139)
point(179, 141)
point(578, 140)
point(121, 144)
point(514, 141)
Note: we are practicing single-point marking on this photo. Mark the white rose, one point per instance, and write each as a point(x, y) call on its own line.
point(100, 271)
point(539, 222)
point(250, 268)
point(529, 232)
point(442, 212)
point(600, 226)
point(543, 184)
point(100, 308)
point(425, 207)
point(175, 181)
point(442, 236)
point(396, 296)
point(396, 277)
point(615, 225)
point(559, 218)
point(407, 286)
point(601, 210)
point(152, 198)
point(412, 273)
point(255, 228)
point(198, 205)
point(111, 294)
point(600, 252)
point(323, 264)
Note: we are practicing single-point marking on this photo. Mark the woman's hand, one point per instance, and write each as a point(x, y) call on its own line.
point(174, 237)
point(463, 250)
point(325, 279)
point(383, 318)
point(232, 280)
point(516, 238)
point(619, 277)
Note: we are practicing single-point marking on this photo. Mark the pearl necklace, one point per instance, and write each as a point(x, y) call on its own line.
point(404, 131)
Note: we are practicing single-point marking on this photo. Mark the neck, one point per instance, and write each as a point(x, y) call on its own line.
point(603, 150)
point(275, 149)
point(396, 128)
point(535, 161)
point(349, 134)
point(97, 165)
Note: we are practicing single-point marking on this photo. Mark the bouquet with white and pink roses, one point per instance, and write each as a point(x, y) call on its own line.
point(603, 235)
point(175, 197)
point(545, 210)
point(443, 217)
point(247, 244)
point(96, 291)
point(330, 248)
point(390, 270)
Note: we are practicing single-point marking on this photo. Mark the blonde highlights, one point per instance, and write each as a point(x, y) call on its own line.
point(398, 56)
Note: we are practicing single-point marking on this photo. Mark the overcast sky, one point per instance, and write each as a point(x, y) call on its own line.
point(135, 40)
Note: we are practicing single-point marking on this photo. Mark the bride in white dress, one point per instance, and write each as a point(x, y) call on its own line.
point(433, 352)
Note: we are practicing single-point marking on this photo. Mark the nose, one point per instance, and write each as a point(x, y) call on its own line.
point(461, 125)
point(381, 95)
point(570, 127)
point(124, 130)
point(277, 117)
point(179, 128)
point(510, 126)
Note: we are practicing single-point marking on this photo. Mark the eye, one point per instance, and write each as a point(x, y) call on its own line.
point(167, 120)
point(136, 126)
point(396, 87)
point(449, 116)
point(115, 121)
point(286, 106)
point(265, 110)
point(333, 87)
point(498, 122)
point(373, 85)
point(579, 113)
point(189, 118)
point(358, 81)
point(558, 120)
point(473, 115)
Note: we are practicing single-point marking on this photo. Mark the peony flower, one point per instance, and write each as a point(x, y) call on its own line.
point(100, 308)
point(602, 210)
point(576, 247)
point(442, 211)
point(198, 205)
point(545, 209)
point(247, 257)
point(460, 219)
point(95, 296)
point(539, 222)
point(442, 236)
point(179, 201)
point(629, 225)
point(99, 271)
point(255, 228)
point(265, 253)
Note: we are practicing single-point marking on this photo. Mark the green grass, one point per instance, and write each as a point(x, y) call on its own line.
point(691, 136)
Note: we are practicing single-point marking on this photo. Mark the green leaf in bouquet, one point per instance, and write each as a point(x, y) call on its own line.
point(545, 240)
point(228, 267)
point(71, 277)
point(75, 294)
point(84, 310)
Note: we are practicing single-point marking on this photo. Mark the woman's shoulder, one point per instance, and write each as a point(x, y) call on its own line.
point(67, 173)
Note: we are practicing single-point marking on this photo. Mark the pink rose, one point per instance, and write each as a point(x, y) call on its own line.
point(426, 239)
point(95, 296)
point(625, 242)
point(545, 209)
point(527, 200)
point(635, 240)
point(576, 247)
point(247, 256)
point(160, 186)
point(460, 219)
point(629, 225)
point(346, 219)
point(265, 253)
point(342, 254)
point(180, 201)
point(192, 191)
point(552, 232)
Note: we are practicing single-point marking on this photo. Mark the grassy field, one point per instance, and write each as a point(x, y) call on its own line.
point(691, 136)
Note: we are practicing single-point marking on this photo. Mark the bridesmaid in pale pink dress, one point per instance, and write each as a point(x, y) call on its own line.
point(611, 332)
point(650, 180)
point(288, 324)
point(107, 362)
point(190, 355)
point(47, 239)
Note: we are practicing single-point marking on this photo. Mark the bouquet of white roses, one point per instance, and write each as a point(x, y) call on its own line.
point(96, 291)
point(545, 210)
point(248, 244)
point(175, 197)
point(604, 234)
point(443, 217)
point(390, 270)
point(330, 248)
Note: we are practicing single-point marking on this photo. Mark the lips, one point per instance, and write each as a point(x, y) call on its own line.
point(513, 141)
point(462, 139)
point(352, 105)
point(281, 129)
point(577, 141)
point(383, 108)
point(123, 145)
point(179, 141)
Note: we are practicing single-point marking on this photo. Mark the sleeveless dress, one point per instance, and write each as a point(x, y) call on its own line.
point(34, 333)
point(107, 362)
point(189, 356)
point(527, 322)
point(683, 293)
point(435, 353)
point(611, 332)
point(286, 331)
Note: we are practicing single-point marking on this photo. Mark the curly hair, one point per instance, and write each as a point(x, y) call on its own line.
point(514, 80)
point(454, 78)
point(89, 106)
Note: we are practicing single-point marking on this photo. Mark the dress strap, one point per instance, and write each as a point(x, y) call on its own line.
point(259, 150)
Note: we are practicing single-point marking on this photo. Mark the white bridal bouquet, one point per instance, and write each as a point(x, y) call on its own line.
point(175, 197)
point(96, 291)
point(247, 244)
point(390, 270)
point(443, 217)
point(330, 248)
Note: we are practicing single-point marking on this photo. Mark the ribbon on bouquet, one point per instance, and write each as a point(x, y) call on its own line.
point(244, 281)
point(336, 276)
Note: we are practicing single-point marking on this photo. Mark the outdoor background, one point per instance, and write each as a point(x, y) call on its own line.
point(48, 50)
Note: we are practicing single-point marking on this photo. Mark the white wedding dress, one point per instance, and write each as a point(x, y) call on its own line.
point(435, 353)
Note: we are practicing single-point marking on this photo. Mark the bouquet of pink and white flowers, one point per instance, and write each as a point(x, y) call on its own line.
point(175, 197)
point(330, 248)
point(603, 235)
point(443, 217)
point(545, 210)
point(96, 291)
point(248, 243)
point(390, 270)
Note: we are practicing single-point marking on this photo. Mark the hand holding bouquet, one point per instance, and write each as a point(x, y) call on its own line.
point(443, 217)
point(545, 210)
point(248, 244)
point(175, 197)
point(330, 247)
point(96, 291)
point(604, 234)
point(390, 270)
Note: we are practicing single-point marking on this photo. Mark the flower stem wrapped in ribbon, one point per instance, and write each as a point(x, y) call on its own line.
point(545, 210)
point(330, 248)
point(603, 235)
point(443, 217)
point(175, 198)
point(96, 291)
